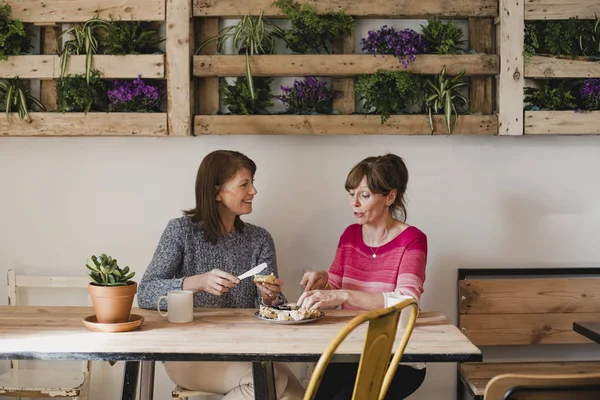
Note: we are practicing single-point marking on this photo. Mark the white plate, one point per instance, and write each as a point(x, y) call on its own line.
point(290, 322)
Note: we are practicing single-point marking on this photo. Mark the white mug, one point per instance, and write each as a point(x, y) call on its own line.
point(406, 311)
point(180, 306)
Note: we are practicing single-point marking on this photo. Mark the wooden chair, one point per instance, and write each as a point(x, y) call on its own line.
point(544, 387)
point(38, 382)
point(375, 371)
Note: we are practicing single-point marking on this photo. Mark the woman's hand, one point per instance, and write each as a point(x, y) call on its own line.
point(268, 291)
point(315, 299)
point(312, 280)
point(214, 282)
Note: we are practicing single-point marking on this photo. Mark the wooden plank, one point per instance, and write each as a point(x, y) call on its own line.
point(529, 296)
point(514, 329)
point(207, 92)
point(550, 67)
point(357, 8)
point(560, 9)
point(48, 67)
point(338, 125)
point(49, 45)
point(481, 90)
point(343, 89)
point(490, 370)
point(179, 85)
point(342, 64)
point(24, 329)
point(562, 123)
point(511, 81)
point(33, 11)
point(92, 124)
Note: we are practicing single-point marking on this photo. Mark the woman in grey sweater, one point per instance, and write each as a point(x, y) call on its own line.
point(204, 251)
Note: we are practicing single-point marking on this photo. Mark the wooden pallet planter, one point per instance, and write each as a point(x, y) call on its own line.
point(339, 125)
point(562, 123)
point(552, 67)
point(92, 124)
point(341, 65)
point(172, 67)
point(112, 67)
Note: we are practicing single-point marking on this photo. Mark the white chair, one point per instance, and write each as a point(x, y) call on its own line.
point(38, 382)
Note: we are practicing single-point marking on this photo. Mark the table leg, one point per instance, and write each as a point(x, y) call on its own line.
point(264, 380)
point(130, 379)
point(147, 380)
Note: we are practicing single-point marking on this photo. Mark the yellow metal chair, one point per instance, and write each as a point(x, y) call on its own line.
point(543, 387)
point(375, 371)
point(37, 382)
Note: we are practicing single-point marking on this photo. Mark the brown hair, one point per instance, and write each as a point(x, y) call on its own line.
point(384, 174)
point(215, 169)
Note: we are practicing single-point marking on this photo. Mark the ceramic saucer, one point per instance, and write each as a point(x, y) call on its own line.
point(93, 325)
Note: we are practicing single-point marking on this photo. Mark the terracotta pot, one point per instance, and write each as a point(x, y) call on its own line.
point(112, 304)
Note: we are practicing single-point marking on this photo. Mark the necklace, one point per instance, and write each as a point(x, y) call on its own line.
point(377, 245)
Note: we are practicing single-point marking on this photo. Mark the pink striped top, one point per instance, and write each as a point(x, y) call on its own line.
point(398, 269)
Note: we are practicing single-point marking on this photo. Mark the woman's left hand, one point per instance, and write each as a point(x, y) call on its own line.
point(315, 299)
point(268, 291)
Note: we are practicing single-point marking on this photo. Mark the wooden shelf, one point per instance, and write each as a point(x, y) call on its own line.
point(562, 123)
point(341, 64)
point(48, 66)
point(92, 124)
point(551, 67)
point(63, 11)
point(357, 8)
point(338, 125)
point(555, 9)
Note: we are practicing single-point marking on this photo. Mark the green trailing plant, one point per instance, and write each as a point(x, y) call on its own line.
point(551, 95)
point(562, 37)
point(85, 39)
point(105, 271)
point(442, 37)
point(14, 37)
point(252, 35)
point(238, 100)
point(590, 43)
point(312, 32)
point(131, 37)
point(387, 93)
point(15, 97)
point(533, 40)
point(76, 94)
point(442, 95)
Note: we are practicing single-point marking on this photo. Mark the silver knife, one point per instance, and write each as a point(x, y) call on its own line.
point(253, 271)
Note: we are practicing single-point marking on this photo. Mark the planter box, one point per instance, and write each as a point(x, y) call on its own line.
point(562, 123)
point(553, 9)
point(338, 125)
point(112, 67)
point(92, 124)
point(57, 11)
point(357, 8)
point(551, 67)
point(341, 64)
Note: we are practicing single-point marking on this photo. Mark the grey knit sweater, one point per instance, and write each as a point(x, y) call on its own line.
point(183, 251)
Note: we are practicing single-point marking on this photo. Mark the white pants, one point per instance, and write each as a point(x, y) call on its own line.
point(233, 379)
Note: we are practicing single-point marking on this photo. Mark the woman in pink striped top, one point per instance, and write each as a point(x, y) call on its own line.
point(377, 260)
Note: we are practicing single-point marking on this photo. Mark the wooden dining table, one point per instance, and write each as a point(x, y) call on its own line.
point(57, 333)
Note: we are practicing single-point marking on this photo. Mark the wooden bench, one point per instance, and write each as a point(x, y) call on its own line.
point(524, 307)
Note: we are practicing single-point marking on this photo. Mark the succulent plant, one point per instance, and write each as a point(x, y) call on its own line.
point(106, 272)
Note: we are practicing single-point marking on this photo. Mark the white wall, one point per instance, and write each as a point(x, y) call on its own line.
point(482, 201)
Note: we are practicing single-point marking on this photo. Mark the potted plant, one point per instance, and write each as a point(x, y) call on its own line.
point(111, 289)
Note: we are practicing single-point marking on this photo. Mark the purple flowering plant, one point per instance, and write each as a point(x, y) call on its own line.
point(307, 96)
point(590, 94)
point(404, 44)
point(134, 96)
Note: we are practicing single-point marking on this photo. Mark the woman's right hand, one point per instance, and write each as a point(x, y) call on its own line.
point(313, 280)
point(214, 282)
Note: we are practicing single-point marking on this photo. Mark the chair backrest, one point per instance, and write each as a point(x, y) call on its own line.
point(527, 306)
point(375, 370)
point(543, 387)
point(17, 281)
